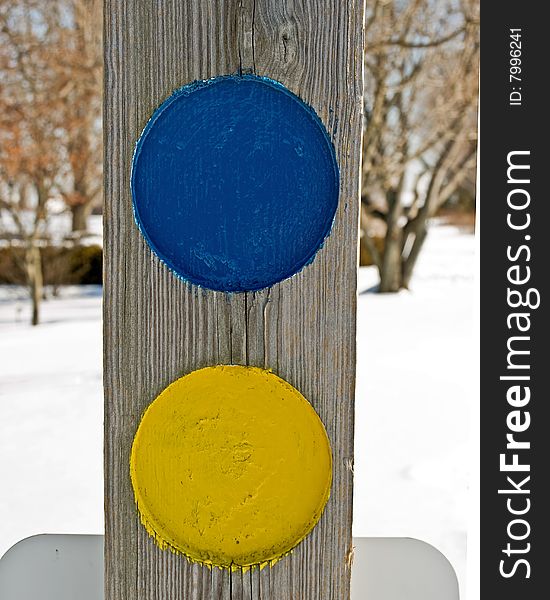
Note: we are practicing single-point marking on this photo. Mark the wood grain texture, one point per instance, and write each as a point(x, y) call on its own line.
point(157, 328)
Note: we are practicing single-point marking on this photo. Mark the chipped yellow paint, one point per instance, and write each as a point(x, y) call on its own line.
point(231, 466)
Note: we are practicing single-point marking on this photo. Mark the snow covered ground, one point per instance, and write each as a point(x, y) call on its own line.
point(416, 384)
point(51, 417)
point(416, 381)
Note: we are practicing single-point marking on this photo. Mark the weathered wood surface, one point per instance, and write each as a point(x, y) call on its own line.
point(158, 328)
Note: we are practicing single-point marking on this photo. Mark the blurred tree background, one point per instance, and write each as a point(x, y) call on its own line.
point(50, 136)
point(419, 145)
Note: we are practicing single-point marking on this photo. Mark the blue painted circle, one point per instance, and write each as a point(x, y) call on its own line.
point(235, 183)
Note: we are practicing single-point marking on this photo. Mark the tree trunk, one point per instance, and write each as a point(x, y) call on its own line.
point(80, 213)
point(35, 281)
point(410, 262)
point(390, 274)
point(391, 271)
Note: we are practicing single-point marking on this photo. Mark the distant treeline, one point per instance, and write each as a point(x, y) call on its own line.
point(61, 266)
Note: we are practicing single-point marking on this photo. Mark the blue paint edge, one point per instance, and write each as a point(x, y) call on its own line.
point(186, 90)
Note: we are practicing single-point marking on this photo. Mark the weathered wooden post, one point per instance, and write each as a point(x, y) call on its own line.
point(158, 327)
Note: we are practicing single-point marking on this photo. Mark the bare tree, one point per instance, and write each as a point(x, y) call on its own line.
point(419, 145)
point(31, 158)
point(50, 122)
point(58, 44)
point(80, 72)
point(28, 232)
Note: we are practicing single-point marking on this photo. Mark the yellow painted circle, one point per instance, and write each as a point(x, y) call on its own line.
point(231, 466)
